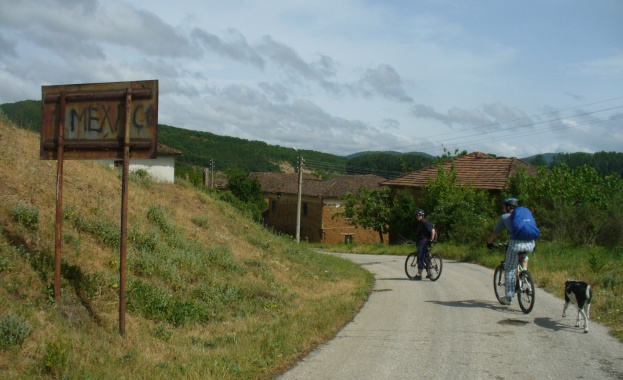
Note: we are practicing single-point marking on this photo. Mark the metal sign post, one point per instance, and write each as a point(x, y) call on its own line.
point(99, 121)
point(59, 202)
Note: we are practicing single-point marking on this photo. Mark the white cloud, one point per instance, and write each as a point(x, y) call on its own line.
point(338, 77)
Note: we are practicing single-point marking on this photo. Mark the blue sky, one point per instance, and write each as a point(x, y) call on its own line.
point(512, 78)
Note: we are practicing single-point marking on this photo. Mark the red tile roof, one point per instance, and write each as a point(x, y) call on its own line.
point(476, 169)
point(312, 186)
point(164, 150)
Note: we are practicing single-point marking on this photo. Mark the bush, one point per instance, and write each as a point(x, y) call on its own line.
point(13, 330)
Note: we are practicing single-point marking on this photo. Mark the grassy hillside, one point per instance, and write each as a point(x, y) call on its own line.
point(210, 294)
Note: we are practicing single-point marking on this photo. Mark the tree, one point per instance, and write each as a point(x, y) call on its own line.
point(539, 160)
point(369, 209)
point(403, 223)
point(574, 205)
point(247, 191)
point(460, 213)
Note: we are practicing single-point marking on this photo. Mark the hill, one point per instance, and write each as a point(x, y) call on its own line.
point(390, 153)
point(210, 294)
point(548, 158)
point(223, 153)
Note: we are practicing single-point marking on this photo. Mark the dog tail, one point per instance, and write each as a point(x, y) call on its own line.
point(588, 292)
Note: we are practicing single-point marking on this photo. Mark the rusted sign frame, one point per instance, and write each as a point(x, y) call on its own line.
point(56, 148)
point(93, 120)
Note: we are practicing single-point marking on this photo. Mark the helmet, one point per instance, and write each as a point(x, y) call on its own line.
point(513, 202)
point(419, 212)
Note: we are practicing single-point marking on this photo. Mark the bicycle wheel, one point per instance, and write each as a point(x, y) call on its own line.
point(411, 265)
point(499, 282)
point(435, 265)
point(526, 292)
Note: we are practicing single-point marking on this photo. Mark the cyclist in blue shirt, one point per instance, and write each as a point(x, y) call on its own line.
point(514, 247)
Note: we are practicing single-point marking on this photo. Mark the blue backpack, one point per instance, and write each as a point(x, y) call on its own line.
point(524, 226)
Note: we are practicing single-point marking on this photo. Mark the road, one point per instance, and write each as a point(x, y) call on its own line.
point(455, 329)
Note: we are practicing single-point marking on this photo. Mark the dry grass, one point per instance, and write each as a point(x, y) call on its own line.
point(290, 298)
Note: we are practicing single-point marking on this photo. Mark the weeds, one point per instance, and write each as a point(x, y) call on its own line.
point(201, 221)
point(56, 358)
point(161, 333)
point(26, 217)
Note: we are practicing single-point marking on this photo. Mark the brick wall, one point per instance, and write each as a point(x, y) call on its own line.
point(317, 224)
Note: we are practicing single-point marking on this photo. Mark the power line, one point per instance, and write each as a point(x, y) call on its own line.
point(497, 124)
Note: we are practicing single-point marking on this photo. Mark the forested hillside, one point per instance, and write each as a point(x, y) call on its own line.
point(222, 153)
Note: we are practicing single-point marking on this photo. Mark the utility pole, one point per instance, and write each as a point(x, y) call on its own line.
point(298, 205)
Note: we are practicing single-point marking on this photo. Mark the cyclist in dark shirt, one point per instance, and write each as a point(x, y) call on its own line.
point(426, 234)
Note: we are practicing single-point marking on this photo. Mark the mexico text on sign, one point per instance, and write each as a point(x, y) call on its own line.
point(95, 119)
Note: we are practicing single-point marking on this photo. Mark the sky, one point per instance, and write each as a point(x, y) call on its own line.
point(507, 77)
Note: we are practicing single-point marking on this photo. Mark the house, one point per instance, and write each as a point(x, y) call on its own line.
point(477, 169)
point(319, 202)
point(161, 169)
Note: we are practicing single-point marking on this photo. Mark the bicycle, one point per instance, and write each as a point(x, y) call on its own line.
point(524, 283)
point(433, 266)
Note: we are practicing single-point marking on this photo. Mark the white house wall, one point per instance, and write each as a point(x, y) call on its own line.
point(161, 169)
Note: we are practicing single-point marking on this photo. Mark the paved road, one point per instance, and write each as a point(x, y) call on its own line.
point(455, 329)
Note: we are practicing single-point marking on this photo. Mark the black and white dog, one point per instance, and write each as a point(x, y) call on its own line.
point(579, 293)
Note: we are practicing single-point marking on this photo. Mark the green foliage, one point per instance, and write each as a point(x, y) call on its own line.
point(201, 221)
point(448, 156)
point(574, 205)
point(460, 213)
point(370, 209)
point(24, 114)
point(200, 148)
point(141, 177)
point(27, 217)
point(245, 194)
point(158, 217)
point(160, 304)
point(244, 188)
point(539, 160)
point(56, 358)
point(605, 163)
point(402, 217)
point(387, 165)
point(13, 330)
point(162, 333)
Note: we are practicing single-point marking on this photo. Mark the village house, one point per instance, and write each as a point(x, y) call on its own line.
point(319, 202)
point(160, 169)
point(477, 170)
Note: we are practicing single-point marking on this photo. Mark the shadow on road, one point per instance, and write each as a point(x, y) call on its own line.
point(552, 324)
point(469, 303)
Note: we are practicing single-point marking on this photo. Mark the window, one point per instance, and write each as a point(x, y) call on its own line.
point(305, 209)
point(273, 207)
point(348, 239)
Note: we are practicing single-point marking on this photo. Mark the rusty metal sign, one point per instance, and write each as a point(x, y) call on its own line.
point(98, 121)
point(94, 119)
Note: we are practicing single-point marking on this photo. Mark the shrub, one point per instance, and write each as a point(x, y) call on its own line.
point(13, 330)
